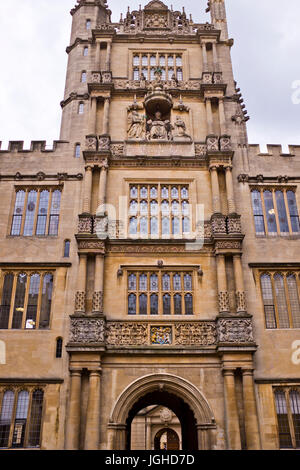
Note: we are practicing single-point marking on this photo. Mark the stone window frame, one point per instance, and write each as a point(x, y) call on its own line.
point(262, 211)
point(280, 307)
point(288, 426)
point(161, 292)
point(159, 185)
point(148, 66)
point(37, 326)
point(77, 150)
point(85, 51)
point(32, 419)
point(39, 189)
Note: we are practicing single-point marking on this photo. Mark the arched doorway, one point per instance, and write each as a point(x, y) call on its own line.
point(179, 395)
point(174, 403)
point(166, 439)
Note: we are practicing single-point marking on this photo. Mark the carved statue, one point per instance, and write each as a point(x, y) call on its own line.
point(158, 129)
point(136, 125)
point(180, 129)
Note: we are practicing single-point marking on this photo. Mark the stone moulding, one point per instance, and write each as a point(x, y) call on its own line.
point(117, 334)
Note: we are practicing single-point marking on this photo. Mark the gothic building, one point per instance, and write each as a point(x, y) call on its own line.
point(150, 260)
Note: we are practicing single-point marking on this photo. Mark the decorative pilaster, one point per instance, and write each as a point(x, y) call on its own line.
point(87, 194)
point(215, 58)
point(105, 128)
point(93, 117)
point(98, 49)
point(81, 285)
point(232, 419)
point(92, 427)
point(251, 420)
point(215, 189)
point(73, 417)
point(222, 116)
point(229, 189)
point(204, 57)
point(222, 285)
point(108, 56)
point(102, 184)
point(239, 284)
point(209, 116)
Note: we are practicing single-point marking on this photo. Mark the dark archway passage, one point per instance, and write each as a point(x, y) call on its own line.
point(172, 439)
point(174, 403)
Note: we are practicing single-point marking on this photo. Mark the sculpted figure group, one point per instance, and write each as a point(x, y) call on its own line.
point(155, 129)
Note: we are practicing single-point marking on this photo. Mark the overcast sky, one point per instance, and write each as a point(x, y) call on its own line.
point(35, 33)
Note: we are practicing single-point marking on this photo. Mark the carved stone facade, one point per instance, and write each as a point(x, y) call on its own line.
point(159, 247)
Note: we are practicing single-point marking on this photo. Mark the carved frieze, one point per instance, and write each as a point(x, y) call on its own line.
point(98, 302)
point(240, 301)
point(235, 330)
point(85, 224)
point(223, 301)
point(117, 150)
point(87, 330)
point(200, 150)
point(234, 225)
point(195, 334)
point(126, 334)
point(218, 223)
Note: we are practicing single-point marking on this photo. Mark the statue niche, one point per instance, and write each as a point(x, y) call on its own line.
point(136, 125)
point(159, 127)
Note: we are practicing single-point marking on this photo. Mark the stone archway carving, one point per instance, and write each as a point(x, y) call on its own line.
point(173, 384)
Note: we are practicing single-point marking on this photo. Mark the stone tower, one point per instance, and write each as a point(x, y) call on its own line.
point(150, 259)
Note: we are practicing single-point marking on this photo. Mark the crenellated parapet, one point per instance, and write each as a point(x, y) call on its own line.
point(17, 146)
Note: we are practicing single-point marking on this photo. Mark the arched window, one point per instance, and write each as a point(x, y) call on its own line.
point(83, 76)
point(177, 282)
point(154, 282)
point(136, 60)
point(6, 417)
point(6, 300)
point(165, 229)
point(177, 304)
point(167, 304)
point(42, 213)
point(35, 418)
point(132, 282)
point(59, 344)
point(67, 245)
point(258, 213)
point(18, 213)
point(270, 212)
point(77, 150)
point(32, 305)
point(175, 226)
point(154, 304)
point(19, 301)
point(46, 301)
point(143, 282)
point(166, 282)
point(282, 308)
point(283, 221)
point(132, 304)
point(292, 205)
point(144, 226)
point(143, 304)
point(188, 302)
point(269, 307)
point(88, 24)
point(283, 421)
point(20, 419)
point(294, 299)
point(81, 108)
point(85, 51)
point(30, 212)
point(154, 226)
point(54, 213)
point(133, 226)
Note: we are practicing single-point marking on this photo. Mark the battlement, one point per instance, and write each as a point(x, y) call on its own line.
point(17, 146)
point(274, 150)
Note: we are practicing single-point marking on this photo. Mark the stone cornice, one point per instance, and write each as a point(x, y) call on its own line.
point(41, 176)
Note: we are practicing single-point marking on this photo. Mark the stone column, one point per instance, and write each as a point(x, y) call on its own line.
point(92, 429)
point(204, 55)
point(149, 440)
point(251, 420)
point(203, 437)
point(111, 438)
point(222, 284)
point(229, 189)
point(215, 57)
point(222, 116)
point(215, 189)
point(232, 419)
point(73, 417)
point(98, 287)
point(87, 194)
point(81, 285)
point(105, 127)
point(97, 59)
point(239, 283)
point(209, 116)
point(108, 57)
point(93, 117)
point(102, 185)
